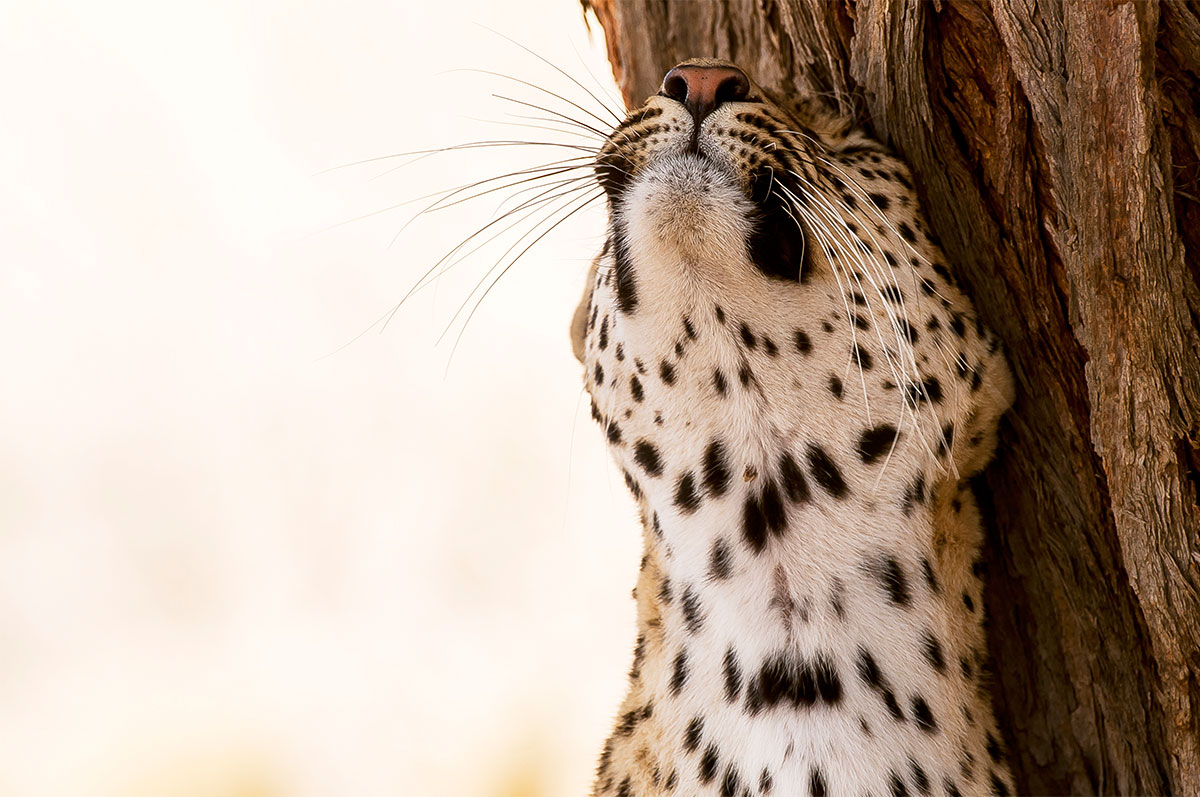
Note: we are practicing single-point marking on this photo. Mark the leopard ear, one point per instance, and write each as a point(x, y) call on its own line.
point(579, 321)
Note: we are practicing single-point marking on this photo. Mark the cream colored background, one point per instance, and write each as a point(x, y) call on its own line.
point(229, 563)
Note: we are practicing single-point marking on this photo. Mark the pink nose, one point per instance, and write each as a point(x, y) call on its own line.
point(702, 89)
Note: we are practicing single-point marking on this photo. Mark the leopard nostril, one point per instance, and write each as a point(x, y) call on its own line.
point(702, 89)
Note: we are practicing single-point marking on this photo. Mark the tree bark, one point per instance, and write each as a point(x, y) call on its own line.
point(1057, 151)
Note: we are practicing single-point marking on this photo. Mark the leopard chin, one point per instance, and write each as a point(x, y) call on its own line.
point(687, 208)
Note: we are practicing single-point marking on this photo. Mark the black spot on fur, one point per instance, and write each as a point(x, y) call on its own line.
point(679, 672)
point(994, 751)
point(816, 783)
point(716, 469)
point(964, 664)
point(733, 675)
point(720, 563)
point(923, 716)
point(951, 788)
point(829, 685)
point(635, 389)
point(914, 494)
point(968, 601)
point(773, 507)
point(769, 347)
point(686, 497)
point(795, 486)
point(895, 583)
point(729, 785)
point(626, 788)
point(719, 382)
point(868, 669)
point(919, 778)
point(627, 297)
point(720, 314)
point(748, 337)
point(896, 786)
point(688, 329)
point(691, 610)
point(933, 652)
point(825, 472)
point(754, 524)
point(691, 737)
point(906, 232)
point(613, 432)
point(881, 201)
point(862, 357)
point(764, 782)
point(835, 387)
point(874, 442)
point(930, 389)
point(708, 764)
point(803, 343)
point(930, 579)
point(646, 455)
point(999, 787)
point(667, 372)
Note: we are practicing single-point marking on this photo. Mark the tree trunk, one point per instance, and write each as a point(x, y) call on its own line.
point(1057, 151)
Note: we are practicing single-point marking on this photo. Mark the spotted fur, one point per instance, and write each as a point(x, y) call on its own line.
point(801, 391)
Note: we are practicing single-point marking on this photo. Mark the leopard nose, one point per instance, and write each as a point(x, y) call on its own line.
point(702, 89)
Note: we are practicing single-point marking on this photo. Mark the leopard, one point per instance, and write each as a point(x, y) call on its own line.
point(798, 391)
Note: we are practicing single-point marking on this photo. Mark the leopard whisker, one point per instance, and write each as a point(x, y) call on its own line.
point(536, 203)
point(587, 201)
point(564, 73)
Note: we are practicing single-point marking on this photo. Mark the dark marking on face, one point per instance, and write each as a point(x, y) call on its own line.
point(803, 342)
point(635, 389)
point(896, 786)
point(929, 389)
point(627, 295)
point(598, 375)
point(874, 442)
point(835, 387)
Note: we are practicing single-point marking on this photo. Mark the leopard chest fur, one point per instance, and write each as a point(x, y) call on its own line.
point(809, 603)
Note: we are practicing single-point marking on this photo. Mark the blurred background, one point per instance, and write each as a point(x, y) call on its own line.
point(243, 549)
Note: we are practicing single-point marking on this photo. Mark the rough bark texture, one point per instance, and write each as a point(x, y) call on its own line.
point(1057, 149)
